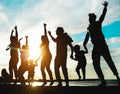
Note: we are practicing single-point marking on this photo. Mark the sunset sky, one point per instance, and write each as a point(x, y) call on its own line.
point(72, 15)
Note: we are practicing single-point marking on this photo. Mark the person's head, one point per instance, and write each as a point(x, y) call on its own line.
point(3, 72)
point(23, 47)
point(43, 38)
point(92, 18)
point(76, 48)
point(59, 31)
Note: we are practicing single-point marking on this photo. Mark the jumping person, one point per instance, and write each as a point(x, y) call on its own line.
point(45, 57)
point(100, 47)
point(62, 40)
point(14, 46)
point(80, 57)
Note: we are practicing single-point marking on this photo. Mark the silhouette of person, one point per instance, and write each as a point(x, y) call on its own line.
point(31, 71)
point(14, 45)
point(100, 47)
point(62, 41)
point(24, 61)
point(80, 57)
point(6, 76)
point(45, 57)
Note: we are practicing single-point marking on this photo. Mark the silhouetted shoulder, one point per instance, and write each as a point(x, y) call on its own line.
point(67, 38)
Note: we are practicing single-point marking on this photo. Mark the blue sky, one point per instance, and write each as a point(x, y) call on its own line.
point(29, 16)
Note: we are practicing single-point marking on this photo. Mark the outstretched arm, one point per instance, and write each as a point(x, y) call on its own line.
point(51, 36)
point(105, 4)
point(86, 39)
point(86, 50)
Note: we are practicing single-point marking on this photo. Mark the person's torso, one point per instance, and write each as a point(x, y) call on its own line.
point(96, 34)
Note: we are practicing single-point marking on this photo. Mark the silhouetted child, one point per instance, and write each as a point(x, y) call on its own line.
point(80, 57)
point(31, 69)
point(5, 76)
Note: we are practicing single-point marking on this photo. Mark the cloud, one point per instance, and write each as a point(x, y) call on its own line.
point(72, 15)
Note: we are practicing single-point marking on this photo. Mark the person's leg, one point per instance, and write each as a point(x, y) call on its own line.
point(50, 74)
point(65, 73)
point(11, 68)
point(20, 73)
point(48, 61)
point(43, 73)
point(96, 63)
point(15, 70)
point(15, 67)
point(84, 72)
point(78, 71)
point(57, 72)
point(108, 59)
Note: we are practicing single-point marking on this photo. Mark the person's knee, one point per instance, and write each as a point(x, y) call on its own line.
point(77, 70)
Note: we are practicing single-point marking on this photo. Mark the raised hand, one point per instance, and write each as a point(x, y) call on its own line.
point(105, 4)
point(12, 30)
point(45, 24)
point(20, 39)
point(26, 36)
point(49, 32)
point(15, 27)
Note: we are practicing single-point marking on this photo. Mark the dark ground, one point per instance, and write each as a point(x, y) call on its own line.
point(82, 87)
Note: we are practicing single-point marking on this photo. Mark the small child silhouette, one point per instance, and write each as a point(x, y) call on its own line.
point(31, 70)
point(6, 76)
point(80, 57)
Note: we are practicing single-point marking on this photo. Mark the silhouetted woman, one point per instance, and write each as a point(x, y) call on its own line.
point(24, 61)
point(14, 45)
point(46, 57)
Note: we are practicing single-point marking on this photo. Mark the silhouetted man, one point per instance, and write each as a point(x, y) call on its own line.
point(100, 47)
point(62, 40)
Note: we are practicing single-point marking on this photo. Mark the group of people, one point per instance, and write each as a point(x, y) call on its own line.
point(62, 40)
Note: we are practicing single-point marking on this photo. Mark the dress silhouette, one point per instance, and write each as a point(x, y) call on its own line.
point(100, 47)
point(62, 41)
point(45, 57)
point(80, 57)
point(14, 46)
point(24, 61)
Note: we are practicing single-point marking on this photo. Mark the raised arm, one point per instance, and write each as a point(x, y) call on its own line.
point(105, 4)
point(26, 40)
point(16, 32)
point(86, 50)
point(45, 30)
point(11, 34)
point(51, 36)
